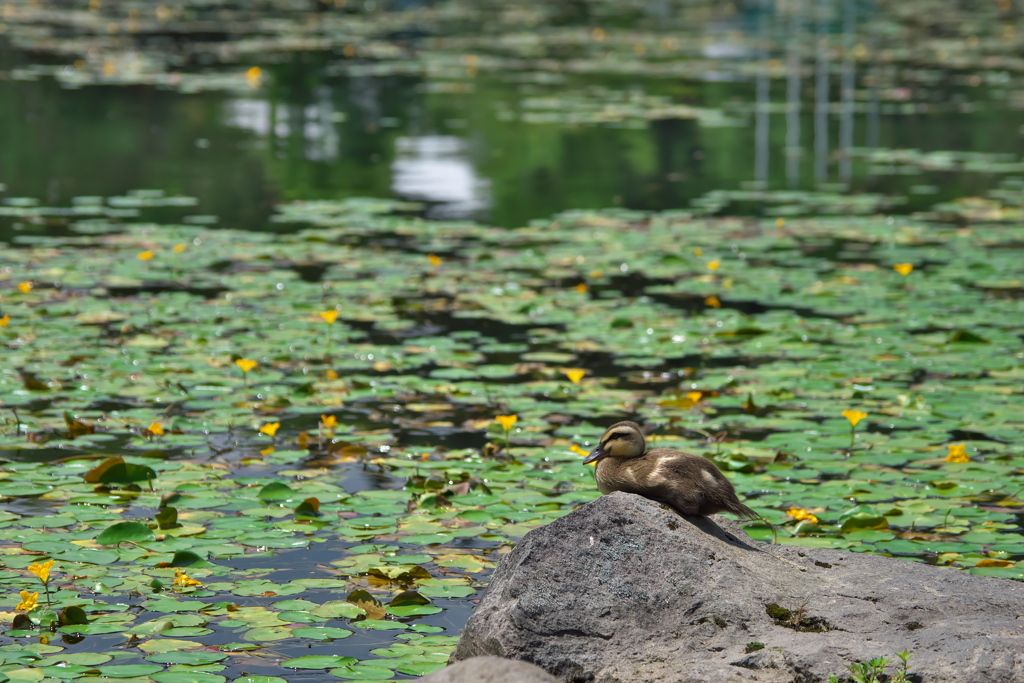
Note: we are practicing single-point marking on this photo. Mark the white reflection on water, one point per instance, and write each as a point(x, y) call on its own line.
point(436, 168)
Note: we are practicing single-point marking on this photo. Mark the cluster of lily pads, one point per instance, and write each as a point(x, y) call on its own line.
point(920, 66)
point(243, 454)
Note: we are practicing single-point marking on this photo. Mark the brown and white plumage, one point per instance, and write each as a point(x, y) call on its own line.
point(687, 482)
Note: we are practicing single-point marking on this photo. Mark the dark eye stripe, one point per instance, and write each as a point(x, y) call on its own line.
point(618, 435)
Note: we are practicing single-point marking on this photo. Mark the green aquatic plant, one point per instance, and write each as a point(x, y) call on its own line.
point(397, 489)
point(873, 671)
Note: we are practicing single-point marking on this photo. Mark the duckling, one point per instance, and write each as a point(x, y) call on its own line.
point(687, 482)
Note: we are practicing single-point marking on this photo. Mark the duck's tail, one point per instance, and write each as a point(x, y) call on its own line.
point(745, 513)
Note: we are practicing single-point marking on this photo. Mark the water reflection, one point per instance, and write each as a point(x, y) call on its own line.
point(471, 148)
point(847, 94)
point(763, 103)
point(821, 93)
point(793, 96)
point(437, 169)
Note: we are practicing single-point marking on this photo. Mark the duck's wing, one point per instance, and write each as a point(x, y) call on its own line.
point(694, 484)
point(671, 477)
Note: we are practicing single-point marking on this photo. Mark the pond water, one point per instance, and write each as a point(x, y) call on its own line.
point(292, 265)
point(728, 104)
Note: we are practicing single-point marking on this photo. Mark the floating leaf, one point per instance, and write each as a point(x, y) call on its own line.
point(308, 508)
point(276, 491)
point(133, 532)
point(318, 662)
point(966, 337)
point(188, 558)
point(116, 471)
point(167, 518)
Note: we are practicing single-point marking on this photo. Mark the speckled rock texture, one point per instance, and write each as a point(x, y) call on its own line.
point(623, 590)
point(490, 670)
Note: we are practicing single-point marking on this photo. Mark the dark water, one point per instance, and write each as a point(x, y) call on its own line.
point(314, 134)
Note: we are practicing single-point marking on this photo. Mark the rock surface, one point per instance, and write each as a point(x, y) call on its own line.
point(490, 670)
point(623, 590)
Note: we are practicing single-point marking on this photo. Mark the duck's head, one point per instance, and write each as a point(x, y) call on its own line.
point(621, 440)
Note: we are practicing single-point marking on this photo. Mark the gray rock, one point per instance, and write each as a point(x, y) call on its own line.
point(624, 590)
point(490, 670)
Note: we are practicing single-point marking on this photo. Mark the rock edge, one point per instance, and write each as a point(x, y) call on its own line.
point(625, 590)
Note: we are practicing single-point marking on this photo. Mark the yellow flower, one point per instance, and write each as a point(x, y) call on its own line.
point(780, 222)
point(328, 421)
point(578, 451)
point(178, 248)
point(903, 268)
point(957, 453)
point(713, 265)
point(246, 364)
point(144, 255)
point(800, 514)
point(253, 76)
point(42, 570)
point(506, 421)
point(331, 374)
point(267, 451)
point(329, 316)
point(697, 251)
point(25, 287)
point(182, 580)
point(5, 321)
point(713, 302)
point(854, 416)
point(581, 288)
point(270, 428)
point(28, 601)
point(694, 395)
point(435, 260)
point(156, 428)
point(574, 374)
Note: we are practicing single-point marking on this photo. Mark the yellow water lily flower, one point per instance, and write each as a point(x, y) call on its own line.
point(182, 580)
point(506, 421)
point(270, 428)
point(958, 453)
point(434, 259)
point(694, 396)
point(329, 316)
point(713, 302)
point(854, 416)
point(29, 601)
point(903, 268)
point(156, 428)
point(713, 265)
point(574, 374)
point(25, 287)
point(328, 421)
point(254, 76)
point(577, 450)
point(145, 255)
point(246, 364)
point(5, 320)
point(801, 514)
point(42, 570)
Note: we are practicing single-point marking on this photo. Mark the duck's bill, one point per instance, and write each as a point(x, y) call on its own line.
point(595, 455)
